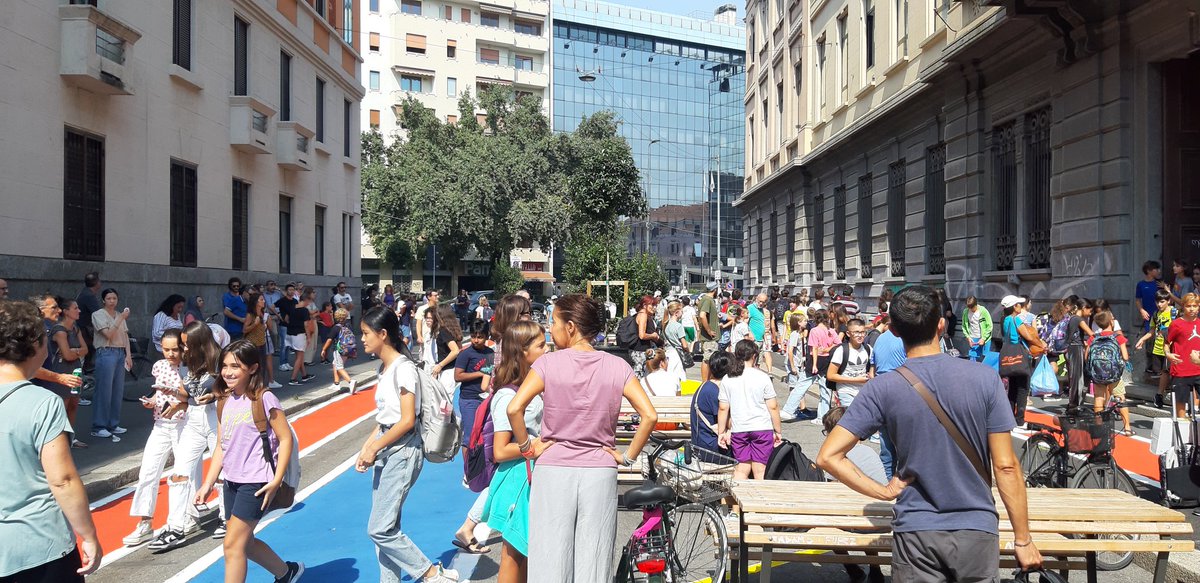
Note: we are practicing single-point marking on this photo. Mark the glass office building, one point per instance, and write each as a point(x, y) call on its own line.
point(676, 84)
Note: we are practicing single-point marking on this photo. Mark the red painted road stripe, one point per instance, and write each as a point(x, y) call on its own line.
point(1133, 455)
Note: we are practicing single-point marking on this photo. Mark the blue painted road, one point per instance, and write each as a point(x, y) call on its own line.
point(328, 530)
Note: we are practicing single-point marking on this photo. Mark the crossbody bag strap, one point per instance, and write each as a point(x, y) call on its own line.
point(703, 419)
point(15, 389)
point(962, 443)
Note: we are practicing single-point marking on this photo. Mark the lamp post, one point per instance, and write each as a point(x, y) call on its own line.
point(649, 176)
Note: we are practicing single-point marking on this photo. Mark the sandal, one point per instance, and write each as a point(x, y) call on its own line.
point(1126, 432)
point(76, 444)
point(472, 547)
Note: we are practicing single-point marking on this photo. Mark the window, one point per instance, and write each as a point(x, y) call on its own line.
point(414, 44)
point(285, 234)
point(320, 6)
point(523, 63)
point(839, 233)
point(901, 29)
point(110, 46)
point(821, 71)
point(183, 214)
point(181, 34)
point(1037, 187)
point(896, 217)
point(775, 246)
point(374, 80)
point(241, 225)
point(481, 119)
point(347, 126)
point(489, 56)
point(348, 22)
point(285, 86)
point(241, 46)
point(762, 250)
point(527, 27)
point(935, 208)
point(466, 15)
point(451, 49)
point(448, 12)
point(866, 222)
point(347, 250)
point(411, 83)
point(373, 41)
point(410, 7)
point(319, 241)
point(451, 119)
point(869, 34)
point(489, 19)
point(1004, 187)
point(789, 231)
point(843, 58)
point(451, 86)
point(818, 236)
point(374, 121)
point(779, 112)
point(373, 6)
point(83, 197)
point(320, 99)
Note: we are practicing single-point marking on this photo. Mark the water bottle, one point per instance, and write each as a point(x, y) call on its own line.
point(79, 375)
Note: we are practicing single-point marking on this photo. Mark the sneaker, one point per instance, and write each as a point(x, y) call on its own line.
point(84, 402)
point(295, 570)
point(294, 383)
point(285, 367)
point(102, 433)
point(76, 444)
point(815, 421)
point(353, 387)
point(166, 541)
point(219, 533)
point(1158, 401)
point(787, 417)
point(144, 532)
point(307, 377)
point(274, 385)
point(116, 439)
point(118, 430)
point(1051, 399)
point(443, 575)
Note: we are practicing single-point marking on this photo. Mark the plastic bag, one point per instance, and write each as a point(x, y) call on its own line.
point(992, 359)
point(1043, 382)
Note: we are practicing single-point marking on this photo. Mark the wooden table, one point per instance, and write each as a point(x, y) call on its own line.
point(837, 518)
point(670, 409)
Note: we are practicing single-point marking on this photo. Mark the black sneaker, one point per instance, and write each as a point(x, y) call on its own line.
point(1158, 401)
point(294, 383)
point(166, 541)
point(295, 570)
point(307, 377)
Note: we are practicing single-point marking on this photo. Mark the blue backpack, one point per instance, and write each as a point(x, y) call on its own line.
point(1104, 362)
point(1057, 337)
point(346, 345)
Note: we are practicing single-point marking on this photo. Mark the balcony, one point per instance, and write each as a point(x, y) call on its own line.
point(250, 124)
point(531, 78)
point(96, 49)
point(294, 144)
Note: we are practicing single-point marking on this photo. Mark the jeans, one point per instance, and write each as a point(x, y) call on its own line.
point(475, 514)
point(824, 404)
point(199, 433)
point(394, 476)
point(976, 352)
point(799, 383)
point(887, 455)
point(110, 388)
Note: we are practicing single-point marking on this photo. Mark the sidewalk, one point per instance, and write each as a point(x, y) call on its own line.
point(106, 466)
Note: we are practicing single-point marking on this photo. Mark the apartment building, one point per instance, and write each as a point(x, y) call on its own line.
point(172, 145)
point(435, 51)
point(982, 146)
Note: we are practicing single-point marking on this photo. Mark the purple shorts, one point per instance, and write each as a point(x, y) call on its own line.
point(753, 446)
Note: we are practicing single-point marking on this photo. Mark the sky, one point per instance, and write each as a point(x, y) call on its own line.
point(694, 8)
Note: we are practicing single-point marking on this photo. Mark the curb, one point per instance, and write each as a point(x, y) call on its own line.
point(122, 472)
point(1181, 568)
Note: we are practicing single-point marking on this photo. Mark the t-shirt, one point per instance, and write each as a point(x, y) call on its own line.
point(689, 317)
point(740, 331)
point(706, 403)
point(33, 527)
point(472, 359)
point(243, 462)
point(867, 460)
point(673, 334)
point(1184, 286)
point(88, 305)
point(1075, 334)
point(857, 362)
point(102, 321)
point(1162, 323)
point(974, 329)
point(444, 338)
point(1184, 337)
point(848, 304)
point(342, 300)
point(661, 383)
point(234, 303)
point(821, 340)
point(171, 377)
point(297, 317)
point(707, 308)
point(795, 344)
point(399, 377)
point(747, 397)
point(499, 404)
point(284, 306)
point(1116, 327)
point(1145, 293)
point(272, 300)
point(1121, 340)
point(582, 399)
point(946, 493)
point(888, 353)
point(757, 322)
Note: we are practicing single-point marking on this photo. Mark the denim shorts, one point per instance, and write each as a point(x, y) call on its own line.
point(241, 502)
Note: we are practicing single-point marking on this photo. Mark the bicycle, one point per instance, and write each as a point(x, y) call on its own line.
point(1046, 460)
point(682, 536)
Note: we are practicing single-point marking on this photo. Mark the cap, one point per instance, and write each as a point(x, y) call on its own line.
point(712, 285)
point(553, 297)
point(1011, 300)
point(658, 294)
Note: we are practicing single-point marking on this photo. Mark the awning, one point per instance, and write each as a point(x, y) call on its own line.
point(492, 81)
point(541, 276)
point(406, 70)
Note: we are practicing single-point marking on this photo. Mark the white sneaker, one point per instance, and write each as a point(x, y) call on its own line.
point(119, 430)
point(285, 367)
point(816, 422)
point(102, 433)
point(786, 417)
point(443, 575)
point(274, 385)
point(353, 387)
point(143, 533)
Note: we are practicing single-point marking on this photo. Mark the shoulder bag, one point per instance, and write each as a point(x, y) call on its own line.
point(1014, 358)
point(956, 435)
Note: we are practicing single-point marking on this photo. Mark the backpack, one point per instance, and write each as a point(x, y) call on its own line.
point(788, 462)
point(1104, 362)
point(346, 346)
point(845, 346)
point(286, 495)
point(440, 425)
point(1057, 337)
point(479, 461)
point(627, 333)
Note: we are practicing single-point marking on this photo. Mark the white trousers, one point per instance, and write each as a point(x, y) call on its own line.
point(199, 433)
point(163, 440)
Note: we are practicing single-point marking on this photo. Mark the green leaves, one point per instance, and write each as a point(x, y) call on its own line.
point(603, 252)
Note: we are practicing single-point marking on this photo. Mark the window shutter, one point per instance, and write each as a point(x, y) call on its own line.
point(373, 41)
point(241, 41)
point(182, 39)
point(466, 15)
point(489, 55)
point(449, 12)
point(415, 42)
point(374, 118)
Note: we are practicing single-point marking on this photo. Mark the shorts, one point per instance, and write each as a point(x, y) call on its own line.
point(927, 556)
point(241, 502)
point(60, 570)
point(1157, 363)
point(338, 364)
point(467, 408)
point(299, 342)
point(764, 346)
point(753, 446)
point(1183, 386)
point(707, 349)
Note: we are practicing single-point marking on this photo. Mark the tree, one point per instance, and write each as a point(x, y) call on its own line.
point(603, 258)
point(506, 279)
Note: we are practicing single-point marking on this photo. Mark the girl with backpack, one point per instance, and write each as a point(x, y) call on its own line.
point(1107, 355)
point(507, 509)
point(251, 481)
point(821, 341)
point(393, 452)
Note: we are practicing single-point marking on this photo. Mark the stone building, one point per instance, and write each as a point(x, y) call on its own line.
point(988, 147)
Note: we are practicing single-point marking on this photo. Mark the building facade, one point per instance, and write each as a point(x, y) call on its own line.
point(676, 85)
point(175, 146)
point(435, 51)
point(987, 147)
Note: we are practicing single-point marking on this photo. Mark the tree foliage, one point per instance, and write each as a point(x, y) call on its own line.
point(506, 182)
point(586, 261)
point(506, 279)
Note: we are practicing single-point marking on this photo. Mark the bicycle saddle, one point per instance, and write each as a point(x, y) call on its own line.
point(647, 495)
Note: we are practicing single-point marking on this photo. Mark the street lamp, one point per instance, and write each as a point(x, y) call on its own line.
point(649, 176)
point(588, 76)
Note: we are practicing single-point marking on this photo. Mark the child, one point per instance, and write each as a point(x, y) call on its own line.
point(748, 419)
point(336, 336)
point(977, 327)
point(251, 481)
point(164, 436)
point(507, 510)
point(659, 380)
point(1078, 331)
point(821, 341)
point(799, 380)
point(850, 364)
point(1164, 315)
point(741, 326)
point(1104, 391)
point(1183, 337)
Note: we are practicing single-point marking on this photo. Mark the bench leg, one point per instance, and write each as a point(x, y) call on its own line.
point(743, 550)
point(1160, 568)
point(764, 576)
point(1091, 566)
point(1064, 573)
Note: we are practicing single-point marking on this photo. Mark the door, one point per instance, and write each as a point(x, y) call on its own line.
point(1181, 161)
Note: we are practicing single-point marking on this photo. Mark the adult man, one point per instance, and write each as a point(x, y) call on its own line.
point(759, 320)
point(708, 319)
point(947, 528)
point(235, 308)
point(343, 300)
point(846, 301)
point(271, 295)
point(283, 307)
point(89, 303)
point(431, 301)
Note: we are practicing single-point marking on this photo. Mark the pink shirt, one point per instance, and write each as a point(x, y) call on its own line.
point(581, 402)
point(243, 462)
point(821, 339)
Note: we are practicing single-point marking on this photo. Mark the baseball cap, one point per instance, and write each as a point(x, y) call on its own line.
point(712, 285)
point(658, 294)
point(1011, 300)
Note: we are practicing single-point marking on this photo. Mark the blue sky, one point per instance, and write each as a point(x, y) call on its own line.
point(694, 8)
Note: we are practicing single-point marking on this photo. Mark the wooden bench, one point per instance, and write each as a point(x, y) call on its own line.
point(675, 410)
point(1064, 524)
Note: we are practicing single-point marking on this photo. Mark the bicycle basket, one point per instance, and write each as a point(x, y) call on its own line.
point(707, 479)
point(1088, 433)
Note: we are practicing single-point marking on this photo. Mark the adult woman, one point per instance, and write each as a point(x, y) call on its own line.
point(112, 360)
point(393, 452)
point(43, 493)
point(448, 340)
point(308, 301)
point(404, 313)
point(674, 335)
point(389, 296)
point(576, 473)
point(195, 310)
point(1016, 331)
point(67, 351)
point(167, 317)
point(255, 330)
point(647, 334)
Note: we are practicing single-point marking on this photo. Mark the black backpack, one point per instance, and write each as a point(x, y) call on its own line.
point(627, 333)
point(845, 346)
point(788, 462)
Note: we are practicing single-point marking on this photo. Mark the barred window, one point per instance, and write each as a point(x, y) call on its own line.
point(83, 197)
point(1037, 187)
point(241, 224)
point(817, 216)
point(935, 208)
point(774, 246)
point(1004, 187)
point(183, 214)
point(790, 245)
point(839, 232)
point(866, 220)
point(897, 212)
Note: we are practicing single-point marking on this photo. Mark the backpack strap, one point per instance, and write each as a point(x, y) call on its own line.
point(15, 389)
point(258, 410)
point(956, 435)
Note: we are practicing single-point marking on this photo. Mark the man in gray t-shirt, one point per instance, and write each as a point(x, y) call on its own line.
point(946, 521)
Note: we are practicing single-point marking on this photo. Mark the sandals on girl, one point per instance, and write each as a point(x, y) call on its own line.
point(472, 546)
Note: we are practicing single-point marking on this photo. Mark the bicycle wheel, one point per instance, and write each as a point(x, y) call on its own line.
point(1038, 463)
point(699, 544)
point(1108, 475)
